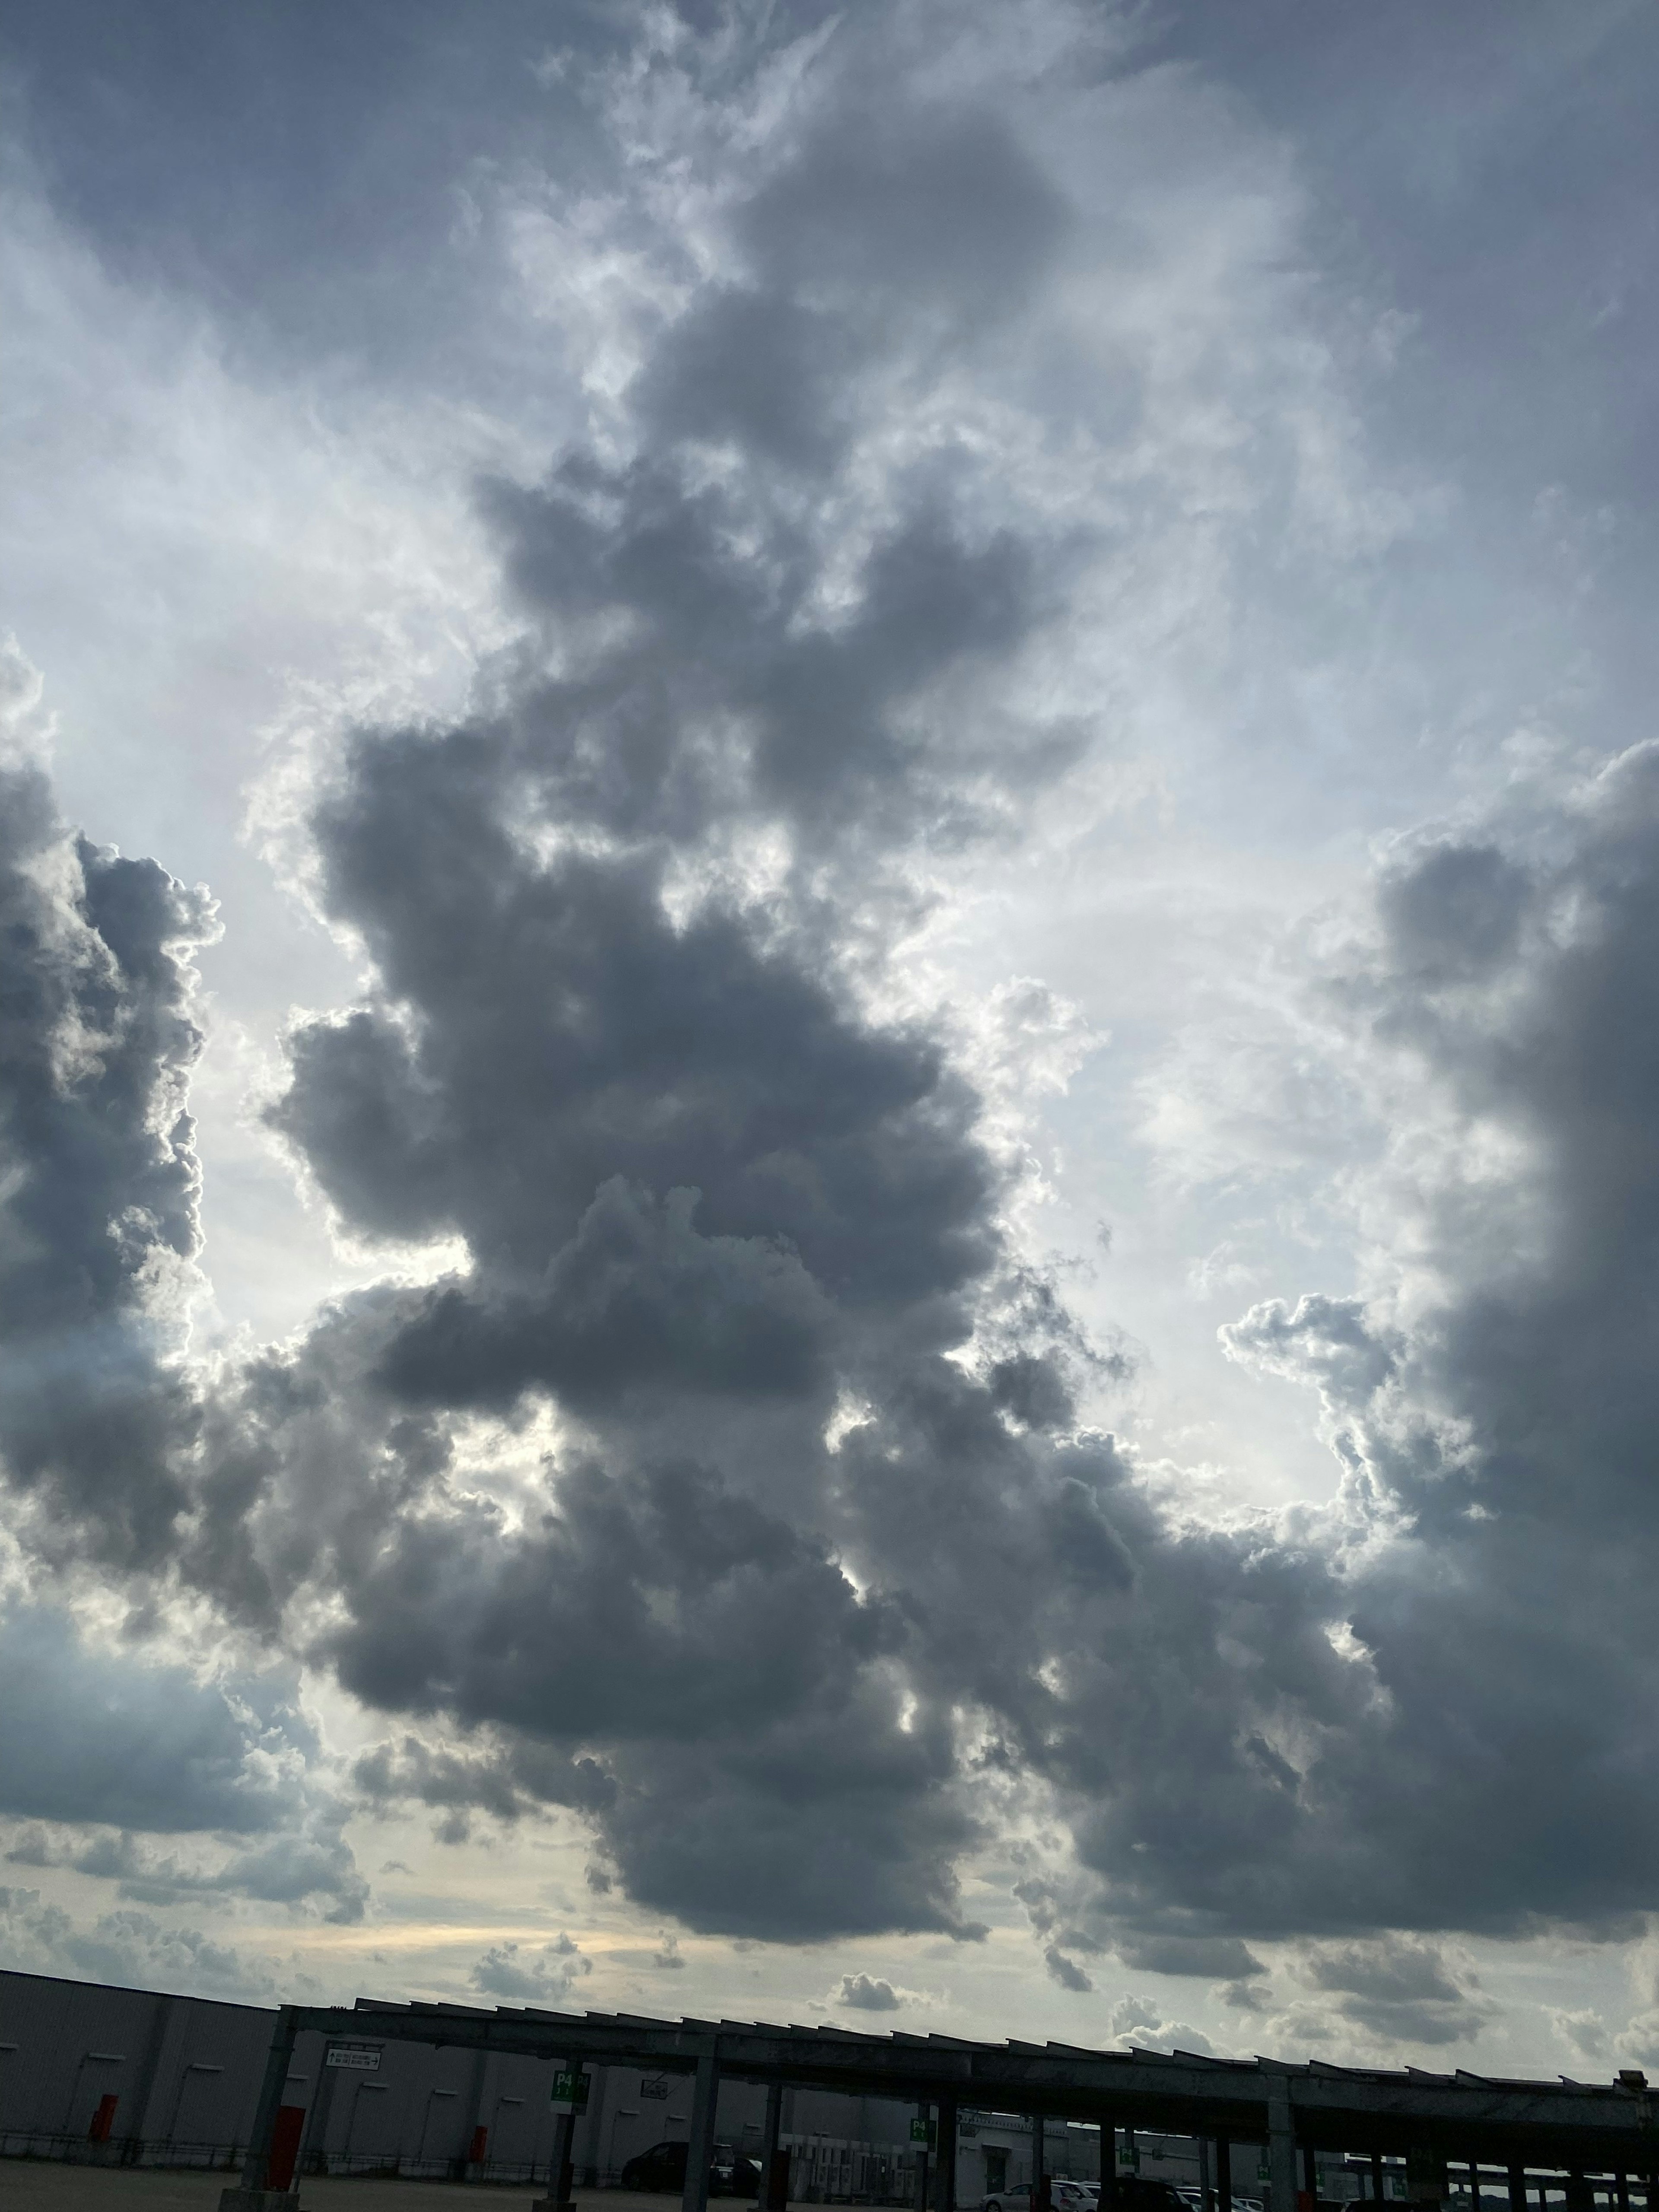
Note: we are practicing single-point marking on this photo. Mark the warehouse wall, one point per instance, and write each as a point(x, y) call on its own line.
point(185, 2074)
point(183, 2070)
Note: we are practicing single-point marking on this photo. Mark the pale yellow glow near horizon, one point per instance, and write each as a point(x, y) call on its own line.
point(411, 1936)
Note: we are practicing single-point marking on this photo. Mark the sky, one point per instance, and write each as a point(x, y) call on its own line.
point(830, 873)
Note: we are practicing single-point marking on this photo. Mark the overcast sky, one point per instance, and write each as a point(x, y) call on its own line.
point(830, 1038)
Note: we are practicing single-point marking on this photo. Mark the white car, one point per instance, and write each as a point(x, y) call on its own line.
point(1063, 2196)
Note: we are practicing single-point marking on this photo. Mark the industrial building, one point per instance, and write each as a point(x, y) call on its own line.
point(130, 2076)
point(109, 2075)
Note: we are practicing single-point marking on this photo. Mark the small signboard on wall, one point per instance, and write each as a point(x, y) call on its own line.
point(360, 2057)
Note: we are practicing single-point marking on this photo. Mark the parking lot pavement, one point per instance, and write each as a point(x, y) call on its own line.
point(47, 2185)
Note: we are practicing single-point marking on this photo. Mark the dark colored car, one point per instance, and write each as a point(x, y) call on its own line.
point(662, 2168)
point(1130, 2193)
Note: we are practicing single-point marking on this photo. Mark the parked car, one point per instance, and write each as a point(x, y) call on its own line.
point(1063, 2196)
point(731, 2174)
point(662, 2168)
point(1133, 2193)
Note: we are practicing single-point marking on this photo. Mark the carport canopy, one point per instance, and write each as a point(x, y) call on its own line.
point(1561, 2127)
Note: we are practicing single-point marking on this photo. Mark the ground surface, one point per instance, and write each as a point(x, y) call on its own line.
point(43, 2185)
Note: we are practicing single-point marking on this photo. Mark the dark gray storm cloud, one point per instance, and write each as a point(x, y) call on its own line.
point(91, 1738)
point(614, 1043)
point(1436, 1708)
point(1504, 1423)
point(100, 1748)
point(714, 1208)
point(1398, 1989)
point(99, 1182)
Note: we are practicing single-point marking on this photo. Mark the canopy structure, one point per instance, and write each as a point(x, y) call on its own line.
point(1575, 2129)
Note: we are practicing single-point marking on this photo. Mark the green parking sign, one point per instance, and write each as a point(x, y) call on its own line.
point(921, 2132)
point(569, 2090)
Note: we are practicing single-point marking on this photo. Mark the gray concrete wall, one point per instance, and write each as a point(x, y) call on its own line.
point(185, 2070)
point(186, 2073)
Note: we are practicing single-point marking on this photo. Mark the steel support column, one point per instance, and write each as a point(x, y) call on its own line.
point(561, 2166)
point(946, 2192)
point(700, 2148)
point(774, 2194)
point(313, 2143)
point(1281, 2144)
point(1224, 2174)
point(924, 2163)
point(257, 2168)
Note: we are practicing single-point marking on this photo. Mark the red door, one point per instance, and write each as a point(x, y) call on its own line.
point(284, 2146)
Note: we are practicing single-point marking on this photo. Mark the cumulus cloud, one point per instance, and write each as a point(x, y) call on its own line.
point(101, 1744)
point(113, 1737)
point(1490, 1404)
point(1245, 1996)
point(862, 1992)
point(544, 1975)
point(1205, 1956)
point(1065, 1970)
point(1402, 1991)
point(98, 1183)
point(1485, 1401)
point(1585, 2032)
point(706, 1192)
point(130, 1948)
point(1138, 2024)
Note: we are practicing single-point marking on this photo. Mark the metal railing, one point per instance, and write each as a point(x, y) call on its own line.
point(67, 2149)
